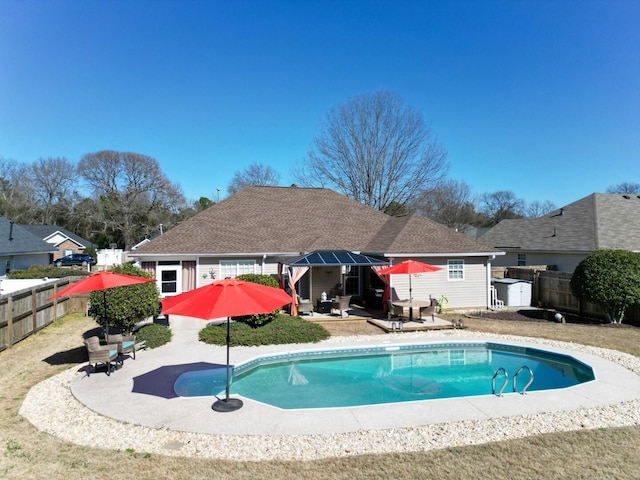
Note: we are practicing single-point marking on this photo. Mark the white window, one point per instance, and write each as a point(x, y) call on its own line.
point(456, 269)
point(233, 268)
point(169, 276)
point(522, 259)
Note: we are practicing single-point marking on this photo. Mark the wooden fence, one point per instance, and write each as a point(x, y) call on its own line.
point(552, 289)
point(26, 311)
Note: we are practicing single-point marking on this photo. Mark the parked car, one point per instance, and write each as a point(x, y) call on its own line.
point(75, 259)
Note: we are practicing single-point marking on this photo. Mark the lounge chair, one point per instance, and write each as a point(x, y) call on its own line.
point(341, 304)
point(126, 344)
point(101, 353)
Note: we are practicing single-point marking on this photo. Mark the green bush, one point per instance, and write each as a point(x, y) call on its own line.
point(610, 279)
point(266, 280)
point(40, 271)
point(125, 306)
point(258, 320)
point(153, 335)
point(282, 330)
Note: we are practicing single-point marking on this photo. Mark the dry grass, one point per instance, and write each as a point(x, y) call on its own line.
point(27, 453)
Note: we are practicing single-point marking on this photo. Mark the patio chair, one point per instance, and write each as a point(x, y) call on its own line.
point(101, 353)
point(430, 310)
point(305, 306)
point(393, 311)
point(126, 344)
point(341, 304)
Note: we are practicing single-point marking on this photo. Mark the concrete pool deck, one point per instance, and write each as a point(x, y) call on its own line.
point(116, 397)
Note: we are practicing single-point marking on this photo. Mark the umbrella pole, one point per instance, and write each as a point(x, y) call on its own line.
point(227, 404)
point(410, 300)
point(106, 319)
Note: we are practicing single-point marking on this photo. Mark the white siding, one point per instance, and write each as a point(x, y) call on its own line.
point(563, 262)
point(208, 266)
point(468, 293)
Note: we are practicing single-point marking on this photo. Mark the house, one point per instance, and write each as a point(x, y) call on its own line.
point(66, 242)
point(328, 240)
point(564, 237)
point(19, 248)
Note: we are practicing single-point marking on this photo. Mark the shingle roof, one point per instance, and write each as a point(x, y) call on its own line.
point(18, 241)
point(44, 231)
point(292, 220)
point(593, 222)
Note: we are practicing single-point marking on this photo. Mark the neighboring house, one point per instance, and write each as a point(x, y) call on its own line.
point(66, 242)
point(266, 229)
point(563, 238)
point(19, 248)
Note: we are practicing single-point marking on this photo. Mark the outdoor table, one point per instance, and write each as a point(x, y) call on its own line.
point(324, 306)
point(411, 304)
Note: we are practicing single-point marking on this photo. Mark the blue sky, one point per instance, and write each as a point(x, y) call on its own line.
point(538, 97)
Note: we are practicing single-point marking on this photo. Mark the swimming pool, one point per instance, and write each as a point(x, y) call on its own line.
point(389, 374)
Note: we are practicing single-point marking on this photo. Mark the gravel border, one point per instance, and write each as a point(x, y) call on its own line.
point(51, 407)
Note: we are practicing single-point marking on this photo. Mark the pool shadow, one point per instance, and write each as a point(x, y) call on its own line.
point(160, 382)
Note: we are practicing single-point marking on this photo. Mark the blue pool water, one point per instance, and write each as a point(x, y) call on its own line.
point(365, 376)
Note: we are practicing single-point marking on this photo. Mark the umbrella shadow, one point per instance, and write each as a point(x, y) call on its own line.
point(73, 356)
point(160, 382)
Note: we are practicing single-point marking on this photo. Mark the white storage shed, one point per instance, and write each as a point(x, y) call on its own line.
point(513, 292)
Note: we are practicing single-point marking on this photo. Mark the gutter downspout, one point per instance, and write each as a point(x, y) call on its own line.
point(489, 259)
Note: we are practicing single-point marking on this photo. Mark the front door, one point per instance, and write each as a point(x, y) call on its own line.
point(352, 280)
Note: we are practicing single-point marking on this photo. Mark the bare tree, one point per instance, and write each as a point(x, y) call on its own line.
point(52, 182)
point(449, 203)
point(501, 205)
point(538, 209)
point(254, 174)
point(134, 193)
point(16, 199)
point(375, 150)
point(625, 187)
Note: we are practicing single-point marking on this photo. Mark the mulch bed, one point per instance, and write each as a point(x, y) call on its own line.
point(535, 315)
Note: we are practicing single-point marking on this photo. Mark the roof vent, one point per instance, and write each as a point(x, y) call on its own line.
point(626, 196)
point(559, 214)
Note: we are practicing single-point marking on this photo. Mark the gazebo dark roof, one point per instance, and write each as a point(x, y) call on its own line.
point(334, 257)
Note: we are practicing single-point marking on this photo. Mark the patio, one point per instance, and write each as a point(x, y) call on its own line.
point(380, 320)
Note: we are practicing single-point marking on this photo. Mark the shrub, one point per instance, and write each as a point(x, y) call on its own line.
point(40, 271)
point(610, 279)
point(258, 320)
point(125, 306)
point(282, 330)
point(153, 335)
point(266, 280)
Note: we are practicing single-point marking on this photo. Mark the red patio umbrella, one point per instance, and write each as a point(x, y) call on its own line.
point(226, 298)
point(409, 267)
point(101, 281)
